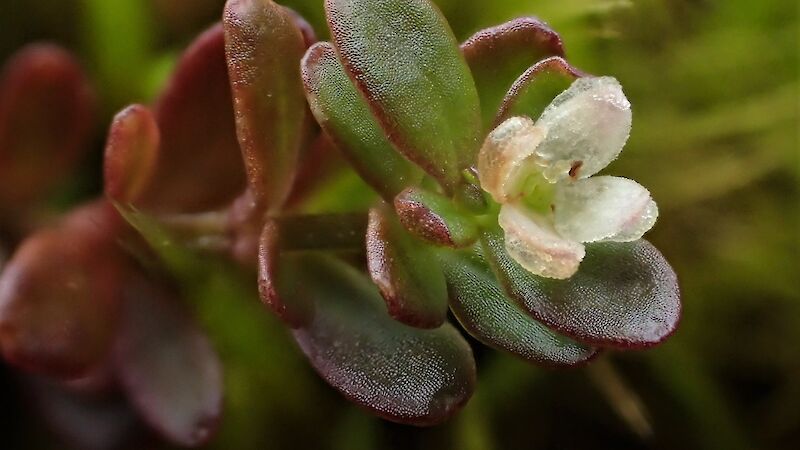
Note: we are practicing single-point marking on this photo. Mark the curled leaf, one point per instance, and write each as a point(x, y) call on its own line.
point(345, 116)
point(623, 295)
point(46, 108)
point(405, 271)
point(403, 57)
point(498, 55)
point(435, 218)
point(264, 46)
point(404, 374)
point(167, 366)
point(131, 152)
point(484, 310)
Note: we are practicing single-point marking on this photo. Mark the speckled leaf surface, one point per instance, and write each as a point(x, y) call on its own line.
point(346, 118)
point(264, 46)
point(435, 218)
point(405, 271)
point(167, 366)
point(403, 374)
point(624, 295)
point(498, 55)
point(483, 309)
point(131, 153)
point(404, 58)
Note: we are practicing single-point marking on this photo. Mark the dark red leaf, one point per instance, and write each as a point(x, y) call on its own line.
point(131, 152)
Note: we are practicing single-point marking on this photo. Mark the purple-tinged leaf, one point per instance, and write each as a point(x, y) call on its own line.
point(264, 45)
point(46, 108)
point(624, 295)
point(167, 366)
point(344, 115)
point(59, 295)
point(309, 35)
point(499, 55)
point(435, 218)
point(403, 374)
point(199, 165)
point(484, 310)
point(405, 271)
point(403, 57)
point(131, 152)
point(536, 88)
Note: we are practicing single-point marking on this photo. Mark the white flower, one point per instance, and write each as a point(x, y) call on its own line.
point(541, 174)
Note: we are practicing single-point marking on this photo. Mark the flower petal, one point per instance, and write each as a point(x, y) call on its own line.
point(503, 154)
point(587, 126)
point(603, 208)
point(533, 242)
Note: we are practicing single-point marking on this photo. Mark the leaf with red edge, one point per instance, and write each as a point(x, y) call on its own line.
point(499, 55)
point(403, 57)
point(46, 109)
point(167, 366)
point(405, 271)
point(403, 374)
point(435, 218)
point(536, 88)
point(345, 116)
point(131, 152)
point(59, 294)
point(264, 45)
point(309, 35)
point(484, 310)
point(199, 165)
point(624, 295)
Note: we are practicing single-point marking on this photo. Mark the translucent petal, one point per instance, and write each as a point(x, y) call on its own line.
point(587, 126)
point(531, 240)
point(503, 154)
point(601, 208)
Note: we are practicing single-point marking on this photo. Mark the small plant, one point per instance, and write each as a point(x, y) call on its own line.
point(480, 158)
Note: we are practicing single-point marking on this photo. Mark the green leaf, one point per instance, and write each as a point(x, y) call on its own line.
point(403, 374)
point(499, 55)
point(405, 271)
point(484, 310)
point(624, 294)
point(536, 88)
point(131, 152)
point(403, 57)
point(264, 46)
point(345, 116)
point(435, 218)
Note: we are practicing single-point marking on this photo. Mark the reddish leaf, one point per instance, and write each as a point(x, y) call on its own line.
point(309, 35)
point(435, 218)
point(264, 46)
point(498, 55)
point(406, 272)
point(536, 88)
point(131, 152)
point(199, 164)
point(59, 294)
point(624, 294)
point(46, 107)
point(167, 366)
point(403, 374)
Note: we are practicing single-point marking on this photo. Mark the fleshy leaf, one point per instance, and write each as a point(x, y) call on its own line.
point(603, 208)
point(167, 366)
point(199, 166)
point(403, 374)
point(403, 57)
point(405, 271)
point(624, 295)
point(59, 295)
point(344, 115)
point(536, 88)
point(435, 218)
point(46, 108)
point(498, 55)
point(131, 152)
point(485, 311)
point(264, 46)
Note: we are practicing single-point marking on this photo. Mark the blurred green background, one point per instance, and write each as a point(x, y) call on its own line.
point(714, 87)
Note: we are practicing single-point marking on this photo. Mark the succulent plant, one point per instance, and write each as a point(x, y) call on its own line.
point(463, 182)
